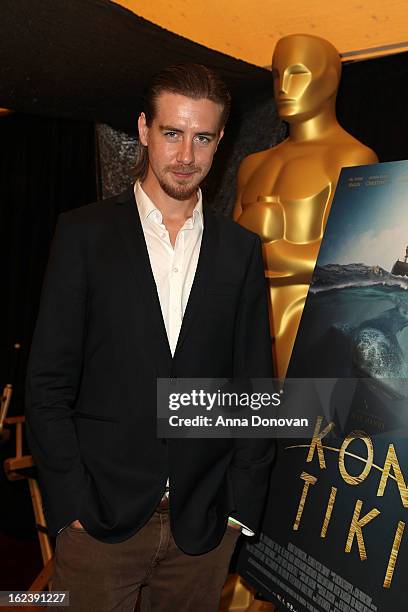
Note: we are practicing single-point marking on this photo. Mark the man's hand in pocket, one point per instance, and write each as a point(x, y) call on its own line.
point(76, 525)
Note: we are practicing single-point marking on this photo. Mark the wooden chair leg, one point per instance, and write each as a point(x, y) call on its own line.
point(46, 550)
point(43, 578)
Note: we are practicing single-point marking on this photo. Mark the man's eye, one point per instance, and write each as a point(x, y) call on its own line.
point(171, 135)
point(202, 139)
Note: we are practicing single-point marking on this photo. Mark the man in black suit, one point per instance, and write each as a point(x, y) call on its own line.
point(144, 285)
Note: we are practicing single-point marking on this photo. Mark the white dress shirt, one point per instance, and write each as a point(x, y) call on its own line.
point(173, 268)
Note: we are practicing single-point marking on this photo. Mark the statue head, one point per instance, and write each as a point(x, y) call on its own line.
point(306, 72)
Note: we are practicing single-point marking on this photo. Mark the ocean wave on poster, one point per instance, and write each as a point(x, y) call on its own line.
point(396, 281)
point(356, 275)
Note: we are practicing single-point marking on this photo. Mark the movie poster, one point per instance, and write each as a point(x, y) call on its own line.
point(335, 534)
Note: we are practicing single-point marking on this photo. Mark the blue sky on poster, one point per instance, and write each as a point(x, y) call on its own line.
point(368, 221)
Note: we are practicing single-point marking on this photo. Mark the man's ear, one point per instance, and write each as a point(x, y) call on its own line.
point(221, 134)
point(143, 129)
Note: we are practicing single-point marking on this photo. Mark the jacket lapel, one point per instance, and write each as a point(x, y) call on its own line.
point(203, 275)
point(130, 228)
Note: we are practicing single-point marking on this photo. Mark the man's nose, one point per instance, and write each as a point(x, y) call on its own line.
point(185, 153)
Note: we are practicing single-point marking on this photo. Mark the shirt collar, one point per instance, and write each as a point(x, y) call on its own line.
point(148, 210)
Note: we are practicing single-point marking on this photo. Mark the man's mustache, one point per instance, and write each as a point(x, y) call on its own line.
point(183, 169)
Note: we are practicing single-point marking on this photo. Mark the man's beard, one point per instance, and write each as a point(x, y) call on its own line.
point(179, 191)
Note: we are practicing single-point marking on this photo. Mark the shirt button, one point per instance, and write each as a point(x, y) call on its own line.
point(175, 270)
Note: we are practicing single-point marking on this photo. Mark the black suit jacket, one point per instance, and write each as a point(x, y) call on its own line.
point(99, 345)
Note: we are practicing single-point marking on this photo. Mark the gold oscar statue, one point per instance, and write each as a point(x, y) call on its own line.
point(284, 193)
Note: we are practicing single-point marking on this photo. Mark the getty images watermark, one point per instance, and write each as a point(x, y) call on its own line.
point(262, 408)
point(216, 402)
point(207, 400)
point(248, 408)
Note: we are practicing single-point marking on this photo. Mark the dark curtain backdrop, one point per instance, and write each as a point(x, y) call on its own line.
point(46, 166)
point(372, 104)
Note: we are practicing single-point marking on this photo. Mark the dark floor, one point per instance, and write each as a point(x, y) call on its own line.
point(20, 562)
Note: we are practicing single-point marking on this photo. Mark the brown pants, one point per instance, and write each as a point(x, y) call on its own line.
point(104, 577)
